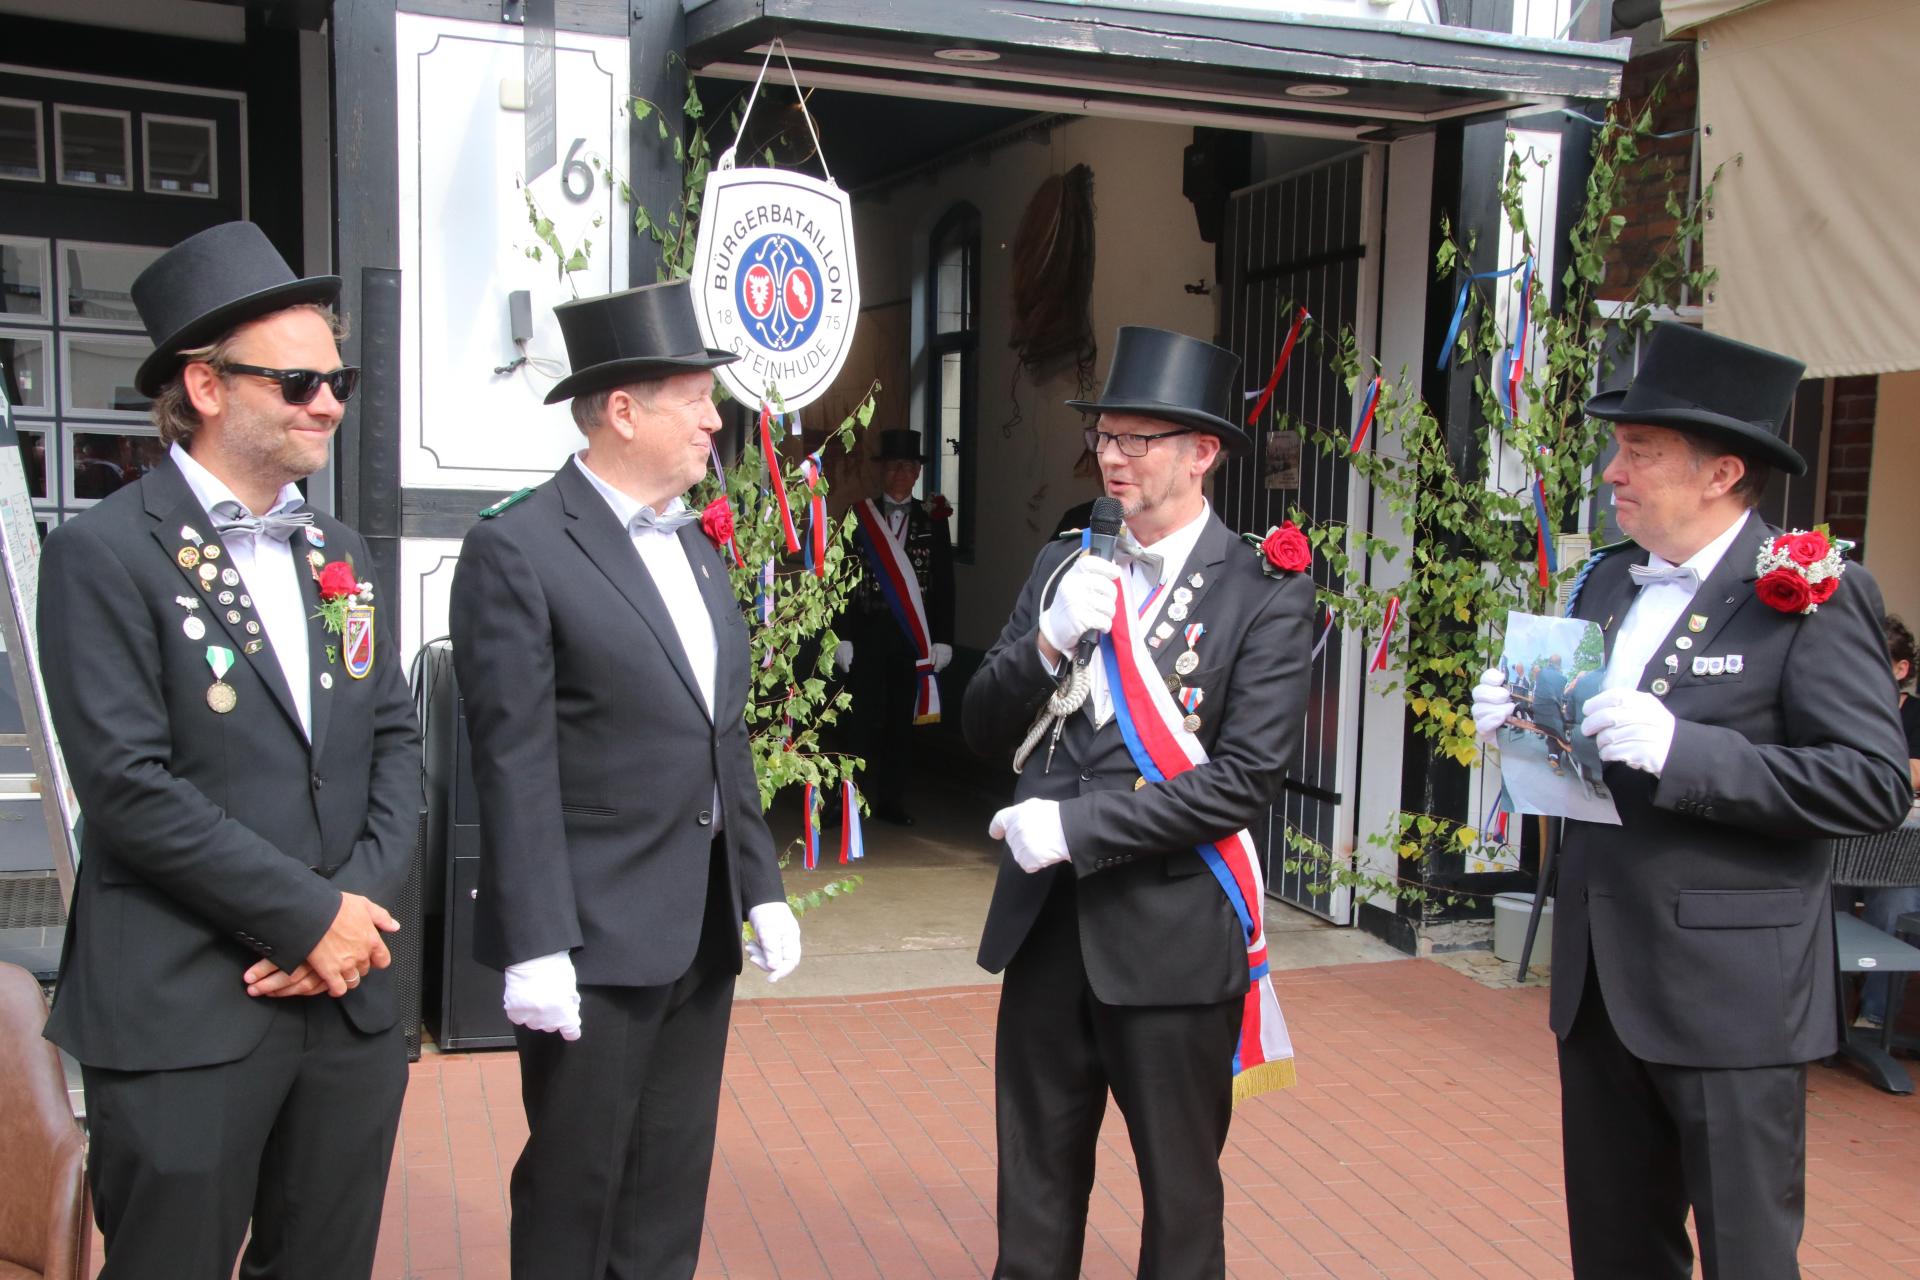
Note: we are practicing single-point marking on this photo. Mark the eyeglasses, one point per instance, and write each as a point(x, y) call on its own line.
point(1131, 445)
point(300, 386)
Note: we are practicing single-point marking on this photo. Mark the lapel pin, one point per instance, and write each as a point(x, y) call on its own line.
point(233, 617)
point(189, 603)
point(190, 534)
point(1673, 663)
point(211, 551)
point(1735, 664)
point(193, 627)
point(1699, 665)
point(255, 646)
point(315, 559)
point(1196, 581)
point(326, 680)
point(188, 557)
point(1177, 612)
point(1684, 642)
point(315, 538)
point(1698, 622)
point(225, 597)
point(1660, 687)
point(1716, 666)
point(1186, 662)
point(209, 574)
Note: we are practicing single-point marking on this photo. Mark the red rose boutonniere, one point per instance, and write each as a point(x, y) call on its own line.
point(340, 591)
point(939, 508)
point(1286, 550)
point(717, 521)
point(1800, 571)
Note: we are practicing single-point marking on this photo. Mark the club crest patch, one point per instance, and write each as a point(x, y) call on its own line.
point(358, 636)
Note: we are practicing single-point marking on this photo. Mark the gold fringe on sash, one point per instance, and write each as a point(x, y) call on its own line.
point(1268, 1077)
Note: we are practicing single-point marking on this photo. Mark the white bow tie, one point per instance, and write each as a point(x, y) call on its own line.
point(1644, 575)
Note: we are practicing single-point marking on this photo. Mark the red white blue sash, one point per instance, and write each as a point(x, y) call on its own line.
point(887, 560)
point(1161, 749)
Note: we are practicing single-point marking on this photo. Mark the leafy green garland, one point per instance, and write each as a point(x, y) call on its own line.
point(1471, 556)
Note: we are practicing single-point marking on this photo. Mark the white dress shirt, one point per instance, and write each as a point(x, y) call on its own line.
point(666, 563)
point(1173, 551)
point(269, 572)
point(1657, 607)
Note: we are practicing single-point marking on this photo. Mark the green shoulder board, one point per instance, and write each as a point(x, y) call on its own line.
point(488, 513)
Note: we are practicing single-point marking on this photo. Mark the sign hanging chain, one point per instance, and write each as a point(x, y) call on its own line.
point(726, 157)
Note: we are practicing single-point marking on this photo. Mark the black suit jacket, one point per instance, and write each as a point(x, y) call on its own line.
point(594, 756)
point(1155, 927)
point(1707, 909)
point(208, 840)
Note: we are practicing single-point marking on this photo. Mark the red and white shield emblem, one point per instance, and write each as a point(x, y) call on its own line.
point(759, 292)
point(358, 638)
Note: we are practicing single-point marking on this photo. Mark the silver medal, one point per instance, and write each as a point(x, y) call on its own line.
point(1177, 612)
point(193, 627)
point(1186, 663)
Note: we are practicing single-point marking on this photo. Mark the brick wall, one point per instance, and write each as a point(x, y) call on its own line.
point(1643, 200)
point(1849, 455)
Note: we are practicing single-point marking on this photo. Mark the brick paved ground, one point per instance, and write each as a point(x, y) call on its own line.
point(1421, 1142)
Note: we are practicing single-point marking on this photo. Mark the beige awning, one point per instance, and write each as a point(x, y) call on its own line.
point(1809, 105)
point(1681, 16)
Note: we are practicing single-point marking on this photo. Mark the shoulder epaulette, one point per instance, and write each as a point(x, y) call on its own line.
point(488, 513)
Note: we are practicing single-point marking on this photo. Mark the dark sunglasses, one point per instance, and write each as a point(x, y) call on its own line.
point(300, 386)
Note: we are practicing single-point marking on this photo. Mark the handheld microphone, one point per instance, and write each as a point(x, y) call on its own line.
point(1103, 540)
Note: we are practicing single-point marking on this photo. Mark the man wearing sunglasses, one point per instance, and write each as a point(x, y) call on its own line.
point(1128, 969)
point(249, 783)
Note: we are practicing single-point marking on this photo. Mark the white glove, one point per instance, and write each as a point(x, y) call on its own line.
point(843, 657)
point(776, 939)
point(942, 655)
point(1083, 601)
point(1632, 727)
point(542, 996)
point(1492, 704)
point(1032, 830)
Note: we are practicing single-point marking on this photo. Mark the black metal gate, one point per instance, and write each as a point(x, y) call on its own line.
point(1297, 241)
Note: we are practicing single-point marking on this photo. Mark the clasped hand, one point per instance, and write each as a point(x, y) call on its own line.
point(351, 947)
point(1033, 833)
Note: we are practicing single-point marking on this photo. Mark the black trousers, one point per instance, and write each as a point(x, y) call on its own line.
point(1058, 1050)
point(1645, 1142)
point(613, 1180)
point(884, 684)
point(296, 1138)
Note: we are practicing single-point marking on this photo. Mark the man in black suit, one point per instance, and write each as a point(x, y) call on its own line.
point(1126, 966)
point(883, 629)
point(604, 663)
point(250, 790)
point(1746, 719)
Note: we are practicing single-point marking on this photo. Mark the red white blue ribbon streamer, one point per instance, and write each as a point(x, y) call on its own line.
point(1516, 359)
point(853, 844)
point(1326, 630)
point(1494, 829)
point(810, 468)
point(1162, 750)
point(1280, 366)
point(891, 568)
point(1543, 549)
point(1367, 409)
point(810, 837)
point(1387, 623)
point(763, 594)
point(774, 479)
point(1460, 310)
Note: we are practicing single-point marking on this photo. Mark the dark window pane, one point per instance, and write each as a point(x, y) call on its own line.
point(103, 463)
point(20, 142)
point(179, 156)
point(24, 370)
point(33, 457)
point(23, 280)
point(93, 147)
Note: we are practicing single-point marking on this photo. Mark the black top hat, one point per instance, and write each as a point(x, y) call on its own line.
point(1161, 374)
point(208, 284)
point(632, 336)
point(1707, 385)
point(899, 446)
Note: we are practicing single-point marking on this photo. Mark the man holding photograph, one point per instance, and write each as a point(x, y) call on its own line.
point(1747, 718)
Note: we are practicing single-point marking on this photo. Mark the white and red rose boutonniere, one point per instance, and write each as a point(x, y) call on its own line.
point(1800, 570)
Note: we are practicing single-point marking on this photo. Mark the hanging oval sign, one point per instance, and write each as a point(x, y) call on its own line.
point(777, 281)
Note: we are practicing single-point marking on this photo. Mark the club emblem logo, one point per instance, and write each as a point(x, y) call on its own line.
point(776, 281)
